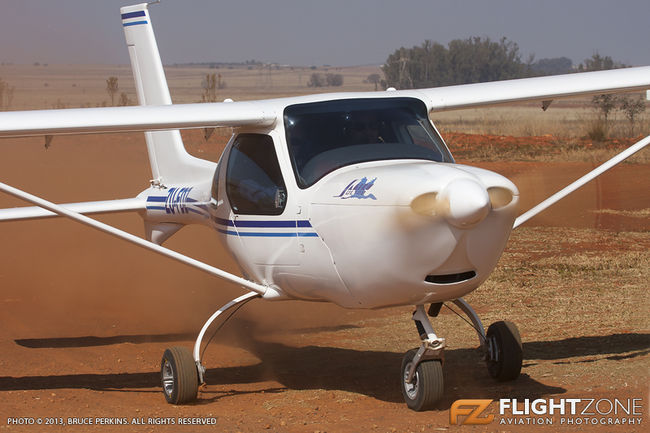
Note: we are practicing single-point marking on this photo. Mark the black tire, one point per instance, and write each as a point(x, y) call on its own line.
point(505, 352)
point(427, 387)
point(180, 380)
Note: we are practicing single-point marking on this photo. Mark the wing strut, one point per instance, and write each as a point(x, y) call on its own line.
point(257, 288)
point(582, 181)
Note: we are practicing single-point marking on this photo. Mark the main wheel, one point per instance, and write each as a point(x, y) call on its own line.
point(504, 351)
point(180, 380)
point(427, 386)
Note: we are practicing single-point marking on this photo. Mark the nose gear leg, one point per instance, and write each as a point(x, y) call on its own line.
point(432, 346)
point(422, 380)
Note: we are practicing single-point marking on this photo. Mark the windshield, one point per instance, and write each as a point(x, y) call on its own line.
point(324, 136)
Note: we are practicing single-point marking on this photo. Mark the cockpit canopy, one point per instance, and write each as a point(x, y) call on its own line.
point(325, 136)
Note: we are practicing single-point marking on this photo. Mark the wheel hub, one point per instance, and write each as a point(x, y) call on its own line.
point(412, 387)
point(493, 349)
point(168, 378)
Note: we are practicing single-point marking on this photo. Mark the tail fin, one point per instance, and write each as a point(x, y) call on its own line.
point(170, 162)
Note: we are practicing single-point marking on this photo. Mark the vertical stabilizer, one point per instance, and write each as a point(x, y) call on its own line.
point(170, 162)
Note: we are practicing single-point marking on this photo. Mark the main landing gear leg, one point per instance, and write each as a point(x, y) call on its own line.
point(501, 345)
point(182, 372)
point(476, 321)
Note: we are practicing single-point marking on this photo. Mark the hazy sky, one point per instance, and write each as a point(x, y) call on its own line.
point(335, 32)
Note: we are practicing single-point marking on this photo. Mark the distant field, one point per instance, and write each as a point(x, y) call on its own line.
point(48, 86)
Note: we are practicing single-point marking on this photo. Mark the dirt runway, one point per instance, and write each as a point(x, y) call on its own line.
point(86, 317)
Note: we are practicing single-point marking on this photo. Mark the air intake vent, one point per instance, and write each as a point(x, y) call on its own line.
point(450, 278)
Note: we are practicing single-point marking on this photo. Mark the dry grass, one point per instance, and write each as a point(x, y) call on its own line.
point(564, 120)
point(546, 148)
point(593, 279)
point(641, 213)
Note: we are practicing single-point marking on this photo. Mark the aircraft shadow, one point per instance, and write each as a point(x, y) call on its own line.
point(589, 346)
point(90, 341)
point(371, 373)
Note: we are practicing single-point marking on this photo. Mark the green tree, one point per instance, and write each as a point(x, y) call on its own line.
point(124, 100)
point(632, 107)
point(3, 87)
point(374, 79)
point(316, 80)
point(6, 94)
point(463, 61)
point(599, 63)
point(334, 80)
point(209, 86)
point(112, 88)
point(605, 104)
point(553, 66)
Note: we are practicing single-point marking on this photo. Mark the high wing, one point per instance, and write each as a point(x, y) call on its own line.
point(266, 113)
point(127, 119)
point(538, 88)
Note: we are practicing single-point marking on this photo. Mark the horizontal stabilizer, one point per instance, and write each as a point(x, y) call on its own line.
point(87, 208)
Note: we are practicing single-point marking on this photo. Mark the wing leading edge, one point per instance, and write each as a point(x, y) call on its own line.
point(538, 88)
point(128, 119)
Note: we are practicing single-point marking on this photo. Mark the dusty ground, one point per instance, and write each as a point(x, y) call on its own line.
point(86, 318)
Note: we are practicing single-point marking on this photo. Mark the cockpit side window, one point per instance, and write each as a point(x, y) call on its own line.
point(325, 136)
point(254, 183)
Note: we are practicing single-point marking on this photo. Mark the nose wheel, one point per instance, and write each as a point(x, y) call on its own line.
point(422, 380)
point(426, 386)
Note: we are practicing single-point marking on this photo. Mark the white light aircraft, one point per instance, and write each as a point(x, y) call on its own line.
point(350, 198)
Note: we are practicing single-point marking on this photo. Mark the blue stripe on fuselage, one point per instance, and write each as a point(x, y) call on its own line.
point(269, 234)
point(263, 224)
point(266, 224)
